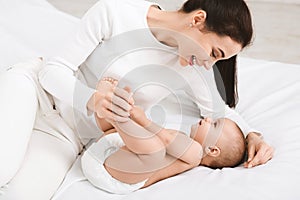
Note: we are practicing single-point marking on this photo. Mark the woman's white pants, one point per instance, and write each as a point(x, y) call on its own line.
point(34, 155)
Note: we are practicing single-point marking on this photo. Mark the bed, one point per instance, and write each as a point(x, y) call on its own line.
point(269, 101)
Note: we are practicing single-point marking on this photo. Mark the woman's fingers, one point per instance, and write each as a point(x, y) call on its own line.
point(111, 102)
point(131, 100)
point(116, 109)
point(264, 154)
point(111, 116)
point(107, 106)
point(256, 160)
point(268, 155)
point(251, 152)
point(119, 101)
point(125, 95)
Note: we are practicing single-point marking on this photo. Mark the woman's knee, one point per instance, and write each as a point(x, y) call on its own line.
point(17, 92)
point(48, 159)
point(18, 105)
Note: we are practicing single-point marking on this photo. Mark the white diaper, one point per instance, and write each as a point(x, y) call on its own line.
point(93, 169)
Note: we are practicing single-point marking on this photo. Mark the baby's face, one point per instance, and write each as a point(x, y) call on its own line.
point(200, 131)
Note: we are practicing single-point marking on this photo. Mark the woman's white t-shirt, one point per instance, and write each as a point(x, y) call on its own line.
point(114, 40)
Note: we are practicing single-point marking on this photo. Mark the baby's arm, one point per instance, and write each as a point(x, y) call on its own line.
point(181, 146)
point(177, 144)
point(177, 167)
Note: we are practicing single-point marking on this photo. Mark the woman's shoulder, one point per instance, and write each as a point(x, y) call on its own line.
point(122, 8)
point(124, 4)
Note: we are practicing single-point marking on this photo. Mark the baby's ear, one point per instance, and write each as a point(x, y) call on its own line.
point(212, 151)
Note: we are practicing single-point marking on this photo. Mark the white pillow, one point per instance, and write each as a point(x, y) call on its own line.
point(31, 28)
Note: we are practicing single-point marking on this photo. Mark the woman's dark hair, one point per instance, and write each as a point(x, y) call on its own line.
point(226, 18)
point(227, 83)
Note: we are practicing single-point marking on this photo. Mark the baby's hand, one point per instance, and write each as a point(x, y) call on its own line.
point(138, 115)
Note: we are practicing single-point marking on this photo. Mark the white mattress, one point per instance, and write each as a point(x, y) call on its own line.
point(269, 101)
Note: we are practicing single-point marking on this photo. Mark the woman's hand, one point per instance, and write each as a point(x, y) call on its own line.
point(259, 152)
point(111, 102)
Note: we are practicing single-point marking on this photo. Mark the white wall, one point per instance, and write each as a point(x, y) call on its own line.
point(176, 4)
point(278, 1)
point(170, 4)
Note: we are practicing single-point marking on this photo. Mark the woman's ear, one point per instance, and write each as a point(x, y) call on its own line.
point(199, 19)
point(213, 151)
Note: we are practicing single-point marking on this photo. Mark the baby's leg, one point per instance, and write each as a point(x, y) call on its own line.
point(143, 154)
point(139, 140)
point(131, 168)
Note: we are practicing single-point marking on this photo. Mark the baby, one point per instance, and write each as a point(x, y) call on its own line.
point(138, 153)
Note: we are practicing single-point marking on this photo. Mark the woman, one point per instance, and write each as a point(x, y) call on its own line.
point(115, 38)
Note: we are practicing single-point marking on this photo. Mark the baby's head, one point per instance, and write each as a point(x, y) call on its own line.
point(222, 141)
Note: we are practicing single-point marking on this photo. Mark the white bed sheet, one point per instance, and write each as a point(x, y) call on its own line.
point(269, 101)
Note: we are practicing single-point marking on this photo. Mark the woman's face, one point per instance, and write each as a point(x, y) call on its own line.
point(207, 47)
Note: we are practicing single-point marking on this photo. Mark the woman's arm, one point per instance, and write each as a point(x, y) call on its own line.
point(57, 77)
